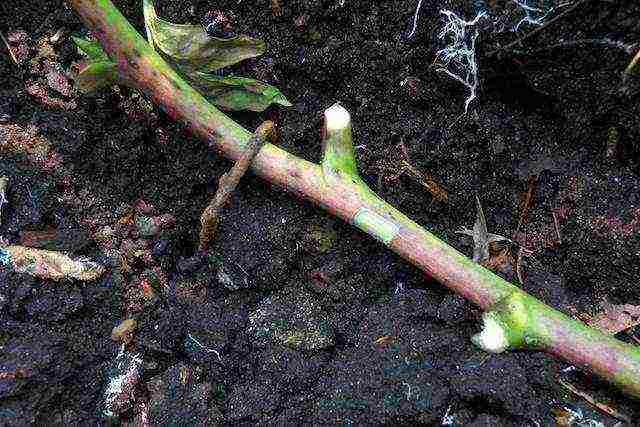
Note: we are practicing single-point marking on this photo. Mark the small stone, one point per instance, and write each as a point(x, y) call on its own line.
point(180, 397)
point(124, 331)
point(149, 226)
point(292, 318)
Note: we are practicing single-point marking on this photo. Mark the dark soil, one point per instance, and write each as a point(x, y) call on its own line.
point(322, 325)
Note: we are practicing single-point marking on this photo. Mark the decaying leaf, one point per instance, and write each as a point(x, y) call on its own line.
point(616, 318)
point(46, 264)
point(197, 55)
point(481, 236)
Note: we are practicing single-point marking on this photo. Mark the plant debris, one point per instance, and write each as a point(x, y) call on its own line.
point(481, 236)
point(616, 318)
point(46, 264)
point(4, 183)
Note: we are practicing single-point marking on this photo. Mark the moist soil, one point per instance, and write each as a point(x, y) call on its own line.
point(296, 317)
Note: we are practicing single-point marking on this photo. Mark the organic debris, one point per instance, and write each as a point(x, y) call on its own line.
point(8, 46)
point(481, 236)
point(567, 416)
point(613, 144)
point(604, 408)
point(276, 10)
point(49, 264)
point(616, 318)
point(633, 63)
point(400, 164)
point(526, 202)
point(228, 182)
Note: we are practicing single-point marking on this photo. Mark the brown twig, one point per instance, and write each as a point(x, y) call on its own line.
point(527, 200)
point(429, 183)
point(228, 182)
point(539, 29)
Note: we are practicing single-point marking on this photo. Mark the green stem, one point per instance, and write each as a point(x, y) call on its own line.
point(336, 186)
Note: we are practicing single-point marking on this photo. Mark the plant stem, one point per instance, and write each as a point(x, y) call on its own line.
point(335, 186)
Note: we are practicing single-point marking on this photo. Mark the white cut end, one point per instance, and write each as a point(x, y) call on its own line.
point(336, 117)
point(493, 337)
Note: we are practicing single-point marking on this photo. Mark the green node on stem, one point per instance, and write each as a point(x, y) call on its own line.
point(506, 326)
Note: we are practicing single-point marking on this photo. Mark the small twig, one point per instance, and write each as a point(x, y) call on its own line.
point(633, 63)
point(436, 190)
point(537, 30)
point(589, 399)
point(6, 43)
point(526, 202)
point(229, 181)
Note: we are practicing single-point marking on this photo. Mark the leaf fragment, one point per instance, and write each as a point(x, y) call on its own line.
point(98, 71)
point(91, 48)
point(97, 75)
point(239, 93)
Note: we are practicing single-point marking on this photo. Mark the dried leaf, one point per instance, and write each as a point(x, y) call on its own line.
point(616, 318)
point(192, 49)
point(481, 236)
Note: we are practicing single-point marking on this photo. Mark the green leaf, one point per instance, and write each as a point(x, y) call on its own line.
point(96, 75)
point(238, 93)
point(91, 48)
point(192, 49)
